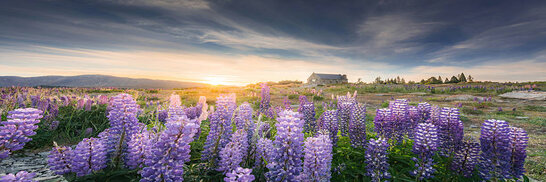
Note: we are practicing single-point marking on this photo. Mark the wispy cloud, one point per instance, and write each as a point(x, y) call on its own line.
point(249, 41)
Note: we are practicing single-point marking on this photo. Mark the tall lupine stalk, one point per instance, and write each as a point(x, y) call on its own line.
point(415, 118)
point(518, 143)
point(88, 156)
point(15, 132)
point(425, 145)
point(495, 145)
point(376, 159)
point(450, 130)
point(383, 123)
point(174, 100)
point(466, 157)
point(303, 101)
point(243, 119)
point(60, 159)
point(235, 151)
point(264, 150)
point(435, 112)
point(402, 122)
point(286, 103)
point(265, 103)
point(329, 121)
point(220, 128)
point(137, 148)
point(165, 160)
point(344, 106)
point(123, 123)
point(308, 111)
point(424, 110)
point(357, 126)
point(317, 159)
point(286, 164)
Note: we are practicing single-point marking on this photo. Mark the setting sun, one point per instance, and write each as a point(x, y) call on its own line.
point(216, 80)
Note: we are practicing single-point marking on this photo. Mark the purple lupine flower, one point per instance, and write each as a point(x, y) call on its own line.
point(383, 122)
point(264, 148)
point(357, 126)
point(425, 144)
point(21, 176)
point(450, 131)
point(265, 105)
point(466, 157)
point(123, 123)
point(317, 159)
point(60, 159)
point(88, 156)
point(286, 164)
point(103, 99)
point(88, 131)
point(174, 100)
point(136, 149)
point(239, 175)
point(192, 112)
point(243, 119)
point(435, 112)
point(54, 125)
point(220, 128)
point(174, 112)
point(424, 110)
point(308, 112)
point(43, 105)
point(376, 159)
point(303, 101)
point(518, 143)
point(235, 151)
point(166, 157)
point(329, 122)
point(401, 119)
point(495, 145)
point(162, 115)
point(81, 103)
point(344, 105)
point(264, 130)
point(88, 104)
point(287, 104)
point(21, 101)
point(15, 132)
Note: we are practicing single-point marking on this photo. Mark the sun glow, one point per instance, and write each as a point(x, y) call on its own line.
point(216, 80)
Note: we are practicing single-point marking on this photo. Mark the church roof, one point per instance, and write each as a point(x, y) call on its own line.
point(330, 76)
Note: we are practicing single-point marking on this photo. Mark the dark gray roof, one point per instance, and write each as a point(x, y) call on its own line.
point(330, 76)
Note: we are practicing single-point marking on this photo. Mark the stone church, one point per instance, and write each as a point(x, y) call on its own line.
point(325, 79)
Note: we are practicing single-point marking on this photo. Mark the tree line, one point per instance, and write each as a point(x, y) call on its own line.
point(460, 78)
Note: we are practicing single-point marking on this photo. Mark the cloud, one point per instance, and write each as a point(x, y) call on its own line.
point(167, 4)
point(520, 36)
point(387, 30)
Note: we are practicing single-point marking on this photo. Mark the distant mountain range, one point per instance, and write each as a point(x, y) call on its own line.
point(93, 81)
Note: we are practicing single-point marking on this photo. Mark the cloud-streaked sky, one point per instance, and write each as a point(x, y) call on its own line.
point(246, 41)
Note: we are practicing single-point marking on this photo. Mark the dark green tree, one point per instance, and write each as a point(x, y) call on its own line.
point(454, 80)
point(462, 78)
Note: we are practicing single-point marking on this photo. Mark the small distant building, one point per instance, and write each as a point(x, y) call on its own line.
point(324, 79)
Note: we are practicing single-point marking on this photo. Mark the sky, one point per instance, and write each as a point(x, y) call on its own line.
point(247, 41)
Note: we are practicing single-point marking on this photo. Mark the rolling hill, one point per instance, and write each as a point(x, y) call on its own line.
point(94, 81)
